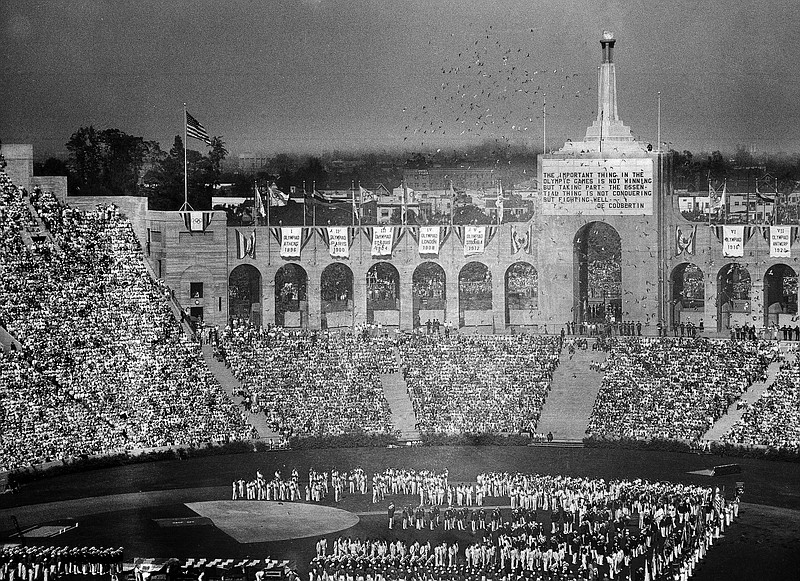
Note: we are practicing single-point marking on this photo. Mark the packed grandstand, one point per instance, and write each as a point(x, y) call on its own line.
point(104, 366)
point(95, 362)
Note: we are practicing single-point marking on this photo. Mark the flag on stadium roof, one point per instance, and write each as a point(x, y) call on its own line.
point(196, 130)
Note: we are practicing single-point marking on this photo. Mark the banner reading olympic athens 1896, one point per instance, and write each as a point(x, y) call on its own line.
point(599, 187)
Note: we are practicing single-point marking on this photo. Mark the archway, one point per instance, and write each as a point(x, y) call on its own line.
point(244, 294)
point(429, 293)
point(475, 295)
point(383, 294)
point(780, 295)
point(291, 303)
point(336, 293)
point(733, 296)
point(522, 293)
point(597, 273)
point(688, 294)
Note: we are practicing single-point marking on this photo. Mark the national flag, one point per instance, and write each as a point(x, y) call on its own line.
point(259, 203)
point(499, 202)
point(195, 130)
point(245, 245)
point(367, 195)
point(684, 243)
point(277, 197)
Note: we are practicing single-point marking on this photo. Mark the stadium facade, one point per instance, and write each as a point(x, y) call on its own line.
point(536, 275)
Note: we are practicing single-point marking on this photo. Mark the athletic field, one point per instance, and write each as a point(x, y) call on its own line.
point(180, 508)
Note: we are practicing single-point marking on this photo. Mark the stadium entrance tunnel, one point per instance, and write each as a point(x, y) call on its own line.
point(291, 301)
point(244, 294)
point(475, 295)
point(597, 274)
point(521, 291)
point(429, 293)
point(336, 293)
point(733, 297)
point(780, 294)
point(383, 294)
point(687, 299)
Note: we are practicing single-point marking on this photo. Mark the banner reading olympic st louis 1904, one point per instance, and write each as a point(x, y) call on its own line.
point(598, 187)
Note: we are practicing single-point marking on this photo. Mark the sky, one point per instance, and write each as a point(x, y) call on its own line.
point(313, 76)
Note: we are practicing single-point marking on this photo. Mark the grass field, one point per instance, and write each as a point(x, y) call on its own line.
point(764, 544)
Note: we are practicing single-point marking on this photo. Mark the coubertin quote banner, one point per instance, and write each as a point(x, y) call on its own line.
point(597, 187)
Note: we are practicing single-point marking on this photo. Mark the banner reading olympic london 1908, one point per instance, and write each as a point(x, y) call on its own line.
point(605, 187)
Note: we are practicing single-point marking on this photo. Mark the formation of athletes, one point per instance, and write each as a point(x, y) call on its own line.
point(558, 526)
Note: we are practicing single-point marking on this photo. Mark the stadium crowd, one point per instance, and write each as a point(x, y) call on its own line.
point(560, 528)
point(478, 383)
point(104, 366)
point(673, 389)
point(774, 418)
point(312, 382)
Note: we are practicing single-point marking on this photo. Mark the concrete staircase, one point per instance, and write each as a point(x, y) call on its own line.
point(574, 389)
point(7, 340)
point(396, 391)
point(230, 386)
point(42, 229)
point(733, 415)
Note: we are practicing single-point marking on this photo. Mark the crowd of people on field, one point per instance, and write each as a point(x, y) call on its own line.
point(478, 383)
point(103, 365)
point(559, 527)
point(43, 563)
point(673, 389)
point(312, 382)
point(318, 486)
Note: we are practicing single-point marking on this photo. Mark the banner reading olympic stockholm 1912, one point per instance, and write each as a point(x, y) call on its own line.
point(604, 187)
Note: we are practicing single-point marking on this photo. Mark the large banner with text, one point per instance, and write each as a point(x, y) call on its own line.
point(598, 187)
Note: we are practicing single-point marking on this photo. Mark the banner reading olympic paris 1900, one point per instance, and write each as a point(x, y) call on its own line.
point(598, 187)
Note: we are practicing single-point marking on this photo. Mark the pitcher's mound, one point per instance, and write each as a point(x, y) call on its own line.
point(258, 521)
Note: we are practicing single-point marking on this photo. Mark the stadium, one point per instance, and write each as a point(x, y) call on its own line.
point(184, 399)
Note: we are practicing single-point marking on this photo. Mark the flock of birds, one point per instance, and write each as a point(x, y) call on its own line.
point(494, 87)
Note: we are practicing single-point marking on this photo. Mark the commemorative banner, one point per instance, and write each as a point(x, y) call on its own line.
point(732, 241)
point(338, 243)
point(780, 242)
point(382, 237)
point(474, 240)
point(597, 187)
point(291, 242)
point(429, 240)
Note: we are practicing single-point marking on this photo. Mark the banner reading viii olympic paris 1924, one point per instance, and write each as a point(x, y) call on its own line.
point(597, 187)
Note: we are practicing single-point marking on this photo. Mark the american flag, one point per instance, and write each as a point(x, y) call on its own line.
point(196, 130)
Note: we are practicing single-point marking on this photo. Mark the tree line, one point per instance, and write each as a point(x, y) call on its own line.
point(110, 162)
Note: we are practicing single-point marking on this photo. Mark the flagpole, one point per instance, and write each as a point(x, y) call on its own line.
point(360, 210)
point(659, 123)
point(314, 217)
point(185, 165)
point(544, 123)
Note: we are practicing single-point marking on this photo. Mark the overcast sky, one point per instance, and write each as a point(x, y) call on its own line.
point(314, 75)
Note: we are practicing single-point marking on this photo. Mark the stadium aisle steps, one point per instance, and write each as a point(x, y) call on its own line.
point(7, 339)
point(733, 415)
point(43, 230)
point(567, 408)
point(230, 385)
point(396, 391)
